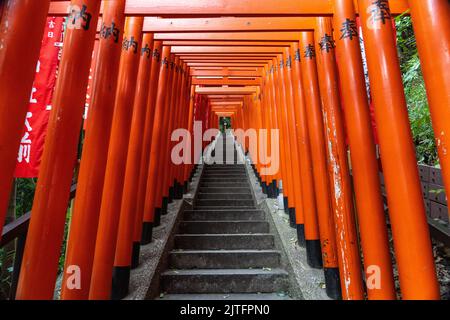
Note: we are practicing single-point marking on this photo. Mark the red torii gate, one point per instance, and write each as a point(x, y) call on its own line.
point(295, 85)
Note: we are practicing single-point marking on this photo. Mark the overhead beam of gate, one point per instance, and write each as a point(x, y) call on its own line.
point(226, 82)
point(224, 73)
point(218, 49)
point(222, 57)
point(228, 43)
point(152, 24)
point(201, 8)
point(226, 90)
point(229, 36)
point(225, 64)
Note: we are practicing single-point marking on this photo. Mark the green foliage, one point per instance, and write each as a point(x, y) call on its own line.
point(224, 121)
point(416, 96)
point(24, 195)
point(6, 258)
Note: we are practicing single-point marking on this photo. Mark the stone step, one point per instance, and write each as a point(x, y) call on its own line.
point(224, 259)
point(225, 190)
point(224, 166)
point(254, 241)
point(225, 179)
point(224, 215)
point(224, 184)
point(224, 176)
point(224, 170)
point(227, 297)
point(224, 281)
point(225, 196)
point(224, 202)
point(229, 208)
point(221, 227)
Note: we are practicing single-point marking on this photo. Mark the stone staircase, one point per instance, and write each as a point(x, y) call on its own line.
point(224, 248)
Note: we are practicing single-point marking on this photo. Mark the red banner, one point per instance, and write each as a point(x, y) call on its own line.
point(33, 138)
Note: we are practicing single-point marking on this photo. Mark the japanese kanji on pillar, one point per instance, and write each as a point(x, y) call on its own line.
point(33, 138)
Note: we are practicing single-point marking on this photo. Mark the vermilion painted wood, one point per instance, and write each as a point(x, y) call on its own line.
point(417, 272)
point(112, 196)
point(229, 36)
point(46, 230)
point(227, 8)
point(156, 138)
point(318, 152)
point(369, 202)
point(226, 90)
point(342, 198)
point(85, 215)
point(152, 24)
point(226, 64)
point(230, 73)
point(129, 205)
point(201, 49)
point(145, 159)
point(228, 43)
point(21, 22)
point(207, 58)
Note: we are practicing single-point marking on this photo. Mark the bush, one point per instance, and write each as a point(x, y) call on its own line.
point(416, 96)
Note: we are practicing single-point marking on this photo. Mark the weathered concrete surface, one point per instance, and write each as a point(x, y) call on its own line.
point(144, 276)
point(306, 283)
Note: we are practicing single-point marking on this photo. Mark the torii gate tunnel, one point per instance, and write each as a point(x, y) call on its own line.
point(290, 66)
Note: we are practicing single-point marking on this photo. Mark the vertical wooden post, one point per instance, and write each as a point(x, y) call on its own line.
point(342, 200)
point(151, 188)
point(21, 22)
point(406, 206)
point(145, 158)
point(313, 250)
point(46, 230)
point(190, 126)
point(431, 22)
point(83, 227)
point(112, 196)
point(122, 260)
point(287, 112)
point(369, 203)
point(319, 159)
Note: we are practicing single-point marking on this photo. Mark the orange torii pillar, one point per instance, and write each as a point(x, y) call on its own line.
point(46, 230)
point(431, 23)
point(179, 184)
point(145, 157)
point(369, 202)
point(180, 105)
point(112, 196)
point(150, 197)
point(341, 190)
point(171, 183)
point(272, 188)
point(319, 159)
point(295, 206)
point(275, 125)
point(184, 123)
point(406, 206)
point(22, 22)
point(165, 193)
point(128, 210)
point(85, 215)
point(262, 150)
point(313, 250)
point(298, 216)
point(160, 202)
point(288, 191)
point(190, 158)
